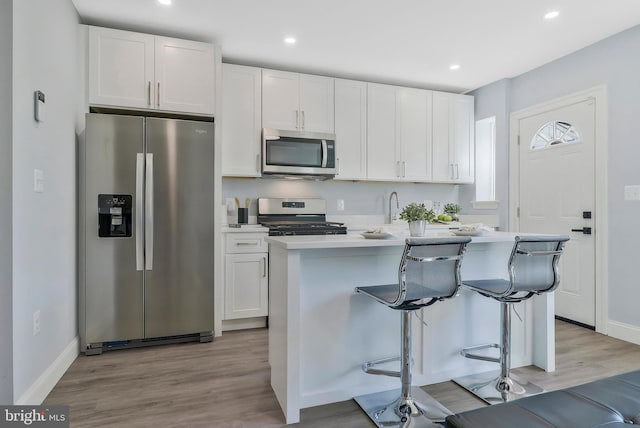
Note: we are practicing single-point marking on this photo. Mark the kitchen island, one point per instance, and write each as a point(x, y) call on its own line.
point(321, 331)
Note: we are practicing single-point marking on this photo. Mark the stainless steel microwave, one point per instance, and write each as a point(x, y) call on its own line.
point(298, 153)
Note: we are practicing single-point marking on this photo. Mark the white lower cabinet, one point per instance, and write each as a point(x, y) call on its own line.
point(246, 282)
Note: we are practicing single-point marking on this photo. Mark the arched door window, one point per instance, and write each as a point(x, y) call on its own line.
point(554, 133)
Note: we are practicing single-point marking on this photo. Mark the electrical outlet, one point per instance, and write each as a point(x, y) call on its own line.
point(340, 205)
point(36, 323)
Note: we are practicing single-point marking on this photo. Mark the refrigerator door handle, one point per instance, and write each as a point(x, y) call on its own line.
point(139, 218)
point(149, 213)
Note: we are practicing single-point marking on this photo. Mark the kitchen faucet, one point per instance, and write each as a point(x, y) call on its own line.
point(391, 218)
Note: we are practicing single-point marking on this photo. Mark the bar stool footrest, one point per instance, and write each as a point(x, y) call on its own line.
point(493, 389)
point(368, 367)
point(468, 352)
point(390, 409)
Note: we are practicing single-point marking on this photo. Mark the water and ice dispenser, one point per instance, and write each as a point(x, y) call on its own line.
point(114, 216)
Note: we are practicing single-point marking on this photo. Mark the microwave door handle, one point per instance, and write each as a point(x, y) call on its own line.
point(324, 153)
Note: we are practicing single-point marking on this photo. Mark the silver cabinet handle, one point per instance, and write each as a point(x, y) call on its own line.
point(248, 243)
point(148, 213)
point(457, 172)
point(139, 212)
point(264, 266)
point(302, 119)
point(158, 95)
point(149, 94)
point(297, 119)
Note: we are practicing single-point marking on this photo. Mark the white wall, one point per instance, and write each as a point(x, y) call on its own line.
point(614, 63)
point(6, 348)
point(44, 224)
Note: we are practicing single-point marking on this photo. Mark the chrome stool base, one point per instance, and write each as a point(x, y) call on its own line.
point(390, 409)
point(492, 388)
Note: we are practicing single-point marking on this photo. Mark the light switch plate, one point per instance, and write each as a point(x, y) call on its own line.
point(632, 193)
point(38, 181)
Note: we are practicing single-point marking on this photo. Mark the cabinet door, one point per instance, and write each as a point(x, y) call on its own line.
point(121, 68)
point(382, 161)
point(184, 74)
point(280, 100)
point(241, 120)
point(442, 163)
point(316, 104)
point(414, 134)
point(246, 286)
point(351, 129)
point(462, 132)
point(453, 138)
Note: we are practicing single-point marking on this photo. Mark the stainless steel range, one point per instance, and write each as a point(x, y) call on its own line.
point(297, 217)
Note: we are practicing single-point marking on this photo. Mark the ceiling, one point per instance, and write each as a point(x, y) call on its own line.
point(405, 42)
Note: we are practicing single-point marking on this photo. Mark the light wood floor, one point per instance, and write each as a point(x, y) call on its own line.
point(226, 383)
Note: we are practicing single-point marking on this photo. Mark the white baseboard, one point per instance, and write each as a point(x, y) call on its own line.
point(39, 390)
point(244, 323)
point(622, 331)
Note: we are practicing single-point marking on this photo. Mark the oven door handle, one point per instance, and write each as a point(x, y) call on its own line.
point(324, 153)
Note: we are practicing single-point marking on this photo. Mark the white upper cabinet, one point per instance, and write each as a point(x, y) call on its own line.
point(381, 133)
point(399, 133)
point(241, 120)
point(121, 68)
point(351, 129)
point(136, 70)
point(453, 138)
point(295, 101)
point(184, 75)
point(414, 134)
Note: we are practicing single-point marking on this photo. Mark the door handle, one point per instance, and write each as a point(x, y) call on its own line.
point(302, 119)
point(148, 213)
point(149, 94)
point(585, 230)
point(297, 119)
point(139, 211)
point(158, 95)
point(325, 154)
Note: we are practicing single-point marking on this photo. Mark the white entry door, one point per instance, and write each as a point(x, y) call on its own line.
point(557, 195)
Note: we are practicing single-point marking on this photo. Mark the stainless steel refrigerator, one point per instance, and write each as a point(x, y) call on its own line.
point(146, 231)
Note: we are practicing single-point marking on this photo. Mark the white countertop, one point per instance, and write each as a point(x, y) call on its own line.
point(358, 241)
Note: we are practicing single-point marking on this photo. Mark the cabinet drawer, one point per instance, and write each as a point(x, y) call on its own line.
point(246, 243)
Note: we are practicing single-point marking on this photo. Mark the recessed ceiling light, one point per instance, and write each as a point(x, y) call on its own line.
point(165, 2)
point(454, 67)
point(290, 40)
point(551, 15)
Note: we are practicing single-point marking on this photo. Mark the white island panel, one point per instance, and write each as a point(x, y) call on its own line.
point(320, 331)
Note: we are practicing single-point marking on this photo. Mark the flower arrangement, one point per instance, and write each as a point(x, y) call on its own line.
point(417, 212)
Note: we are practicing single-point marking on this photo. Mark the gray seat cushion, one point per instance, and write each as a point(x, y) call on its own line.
point(611, 402)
